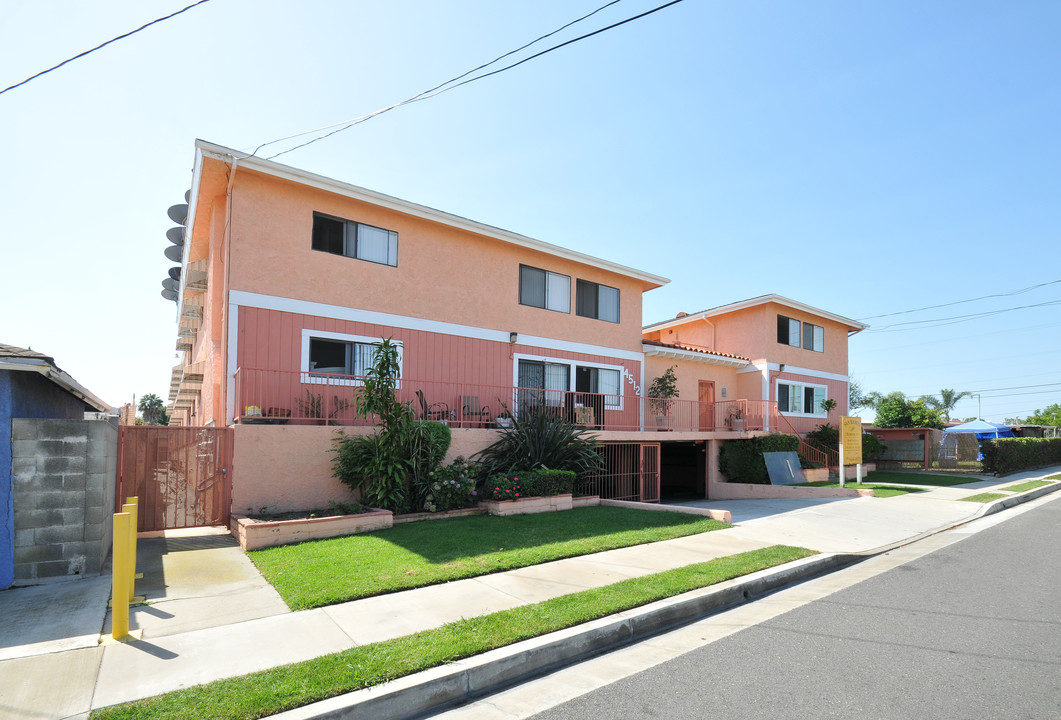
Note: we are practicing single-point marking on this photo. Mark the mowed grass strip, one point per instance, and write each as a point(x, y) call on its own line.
point(880, 491)
point(325, 572)
point(906, 478)
point(271, 691)
point(984, 497)
point(1025, 486)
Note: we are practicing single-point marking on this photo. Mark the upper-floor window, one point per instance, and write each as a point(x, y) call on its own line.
point(789, 333)
point(544, 289)
point(813, 337)
point(354, 239)
point(597, 301)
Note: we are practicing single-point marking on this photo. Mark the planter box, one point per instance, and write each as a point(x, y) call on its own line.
point(417, 517)
point(585, 501)
point(527, 506)
point(816, 474)
point(253, 534)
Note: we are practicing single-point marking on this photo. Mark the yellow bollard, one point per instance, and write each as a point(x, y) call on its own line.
point(120, 578)
point(135, 502)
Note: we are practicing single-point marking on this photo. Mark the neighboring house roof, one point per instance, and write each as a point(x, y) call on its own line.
point(853, 326)
point(693, 353)
point(16, 358)
point(286, 172)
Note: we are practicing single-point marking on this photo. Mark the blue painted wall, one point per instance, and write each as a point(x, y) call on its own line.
point(23, 395)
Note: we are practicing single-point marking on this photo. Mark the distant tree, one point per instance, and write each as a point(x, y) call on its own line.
point(894, 410)
point(945, 402)
point(1051, 415)
point(152, 410)
point(856, 398)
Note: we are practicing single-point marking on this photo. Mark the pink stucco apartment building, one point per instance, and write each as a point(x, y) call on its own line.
point(287, 280)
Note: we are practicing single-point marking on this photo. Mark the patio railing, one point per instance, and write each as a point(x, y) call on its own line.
point(282, 397)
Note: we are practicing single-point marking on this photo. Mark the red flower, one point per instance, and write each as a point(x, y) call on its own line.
point(517, 494)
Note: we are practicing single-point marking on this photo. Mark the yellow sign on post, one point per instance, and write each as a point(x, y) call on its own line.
point(851, 437)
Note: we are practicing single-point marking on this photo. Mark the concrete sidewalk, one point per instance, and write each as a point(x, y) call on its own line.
point(213, 616)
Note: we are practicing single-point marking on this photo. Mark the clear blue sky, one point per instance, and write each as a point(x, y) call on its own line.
point(862, 157)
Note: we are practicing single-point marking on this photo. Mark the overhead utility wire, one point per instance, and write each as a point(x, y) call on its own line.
point(418, 96)
point(940, 322)
point(959, 302)
point(120, 37)
point(362, 119)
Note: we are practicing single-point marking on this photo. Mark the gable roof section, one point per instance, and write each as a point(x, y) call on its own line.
point(16, 358)
point(693, 353)
point(853, 326)
point(227, 155)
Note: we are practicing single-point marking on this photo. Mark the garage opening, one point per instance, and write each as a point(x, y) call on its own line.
point(683, 470)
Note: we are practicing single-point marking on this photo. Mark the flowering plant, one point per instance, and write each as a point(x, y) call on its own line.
point(252, 411)
point(451, 487)
point(502, 487)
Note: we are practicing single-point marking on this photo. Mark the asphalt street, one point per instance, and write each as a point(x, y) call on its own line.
point(971, 630)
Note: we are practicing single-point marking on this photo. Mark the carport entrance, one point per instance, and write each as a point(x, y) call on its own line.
point(683, 470)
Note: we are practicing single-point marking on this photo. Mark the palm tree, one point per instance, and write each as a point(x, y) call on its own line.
point(945, 402)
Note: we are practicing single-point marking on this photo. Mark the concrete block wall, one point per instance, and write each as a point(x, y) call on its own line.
point(63, 475)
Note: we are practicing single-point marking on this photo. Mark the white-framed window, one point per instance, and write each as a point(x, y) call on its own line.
point(787, 331)
point(559, 378)
point(326, 354)
point(354, 239)
point(798, 398)
point(598, 301)
point(813, 337)
point(543, 289)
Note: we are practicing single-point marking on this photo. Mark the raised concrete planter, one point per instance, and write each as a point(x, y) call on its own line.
point(816, 474)
point(585, 501)
point(417, 517)
point(527, 506)
point(253, 534)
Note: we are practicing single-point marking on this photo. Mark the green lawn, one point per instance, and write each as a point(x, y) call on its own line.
point(881, 491)
point(985, 497)
point(906, 478)
point(1022, 487)
point(272, 691)
point(324, 572)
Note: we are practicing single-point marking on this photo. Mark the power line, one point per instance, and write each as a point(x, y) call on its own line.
point(940, 322)
point(959, 302)
point(427, 94)
point(112, 40)
point(419, 96)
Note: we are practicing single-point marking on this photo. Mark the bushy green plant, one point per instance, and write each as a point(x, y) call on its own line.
point(1008, 455)
point(451, 487)
point(895, 411)
point(502, 487)
point(428, 442)
point(379, 466)
point(544, 482)
point(661, 390)
point(743, 461)
point(538, 439)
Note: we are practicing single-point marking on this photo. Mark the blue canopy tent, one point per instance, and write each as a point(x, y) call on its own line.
point(959, 441)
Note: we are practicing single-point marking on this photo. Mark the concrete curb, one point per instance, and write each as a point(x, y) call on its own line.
point(438, 688)
point(1004, 503)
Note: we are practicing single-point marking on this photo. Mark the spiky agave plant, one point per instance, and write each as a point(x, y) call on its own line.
point(540, 439)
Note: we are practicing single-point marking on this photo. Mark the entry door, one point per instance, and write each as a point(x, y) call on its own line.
point(707, 405)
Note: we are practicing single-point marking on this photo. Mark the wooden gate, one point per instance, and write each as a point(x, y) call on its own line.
point(181, 475)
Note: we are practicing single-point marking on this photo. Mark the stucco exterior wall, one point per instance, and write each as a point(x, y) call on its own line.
point(443, 273)
point(289, 467)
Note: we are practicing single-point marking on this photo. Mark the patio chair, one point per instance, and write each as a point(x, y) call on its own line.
point(472, 411)
point(434, 411)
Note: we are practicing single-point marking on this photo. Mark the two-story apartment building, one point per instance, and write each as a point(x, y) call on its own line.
point(288, 280)
point(291, 278)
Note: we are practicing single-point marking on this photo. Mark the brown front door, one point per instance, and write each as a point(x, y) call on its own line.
point(706, 396)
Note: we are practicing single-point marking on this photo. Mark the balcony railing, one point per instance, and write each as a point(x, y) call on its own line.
point(281, 397)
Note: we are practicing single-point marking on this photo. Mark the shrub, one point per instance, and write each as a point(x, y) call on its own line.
point(743, 461)
point(451, 487)
point(503, 487)
point(1007, 455)
point(363, 463)
point(543, 482)
point(539, 439)
point(427, 444)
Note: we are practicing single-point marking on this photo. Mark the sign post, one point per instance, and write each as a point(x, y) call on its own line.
point(850, 447)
